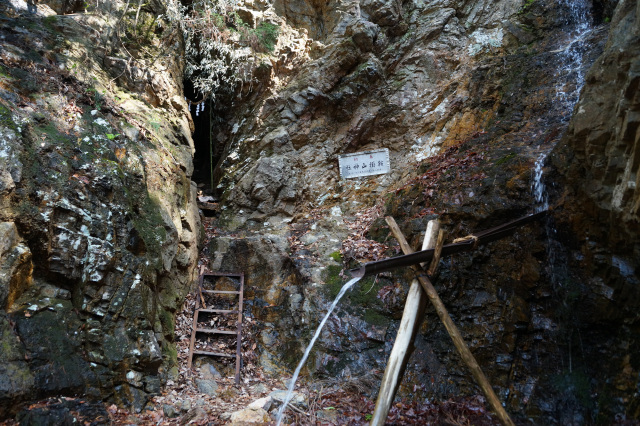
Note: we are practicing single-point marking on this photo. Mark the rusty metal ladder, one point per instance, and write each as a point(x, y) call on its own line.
point(200, 309)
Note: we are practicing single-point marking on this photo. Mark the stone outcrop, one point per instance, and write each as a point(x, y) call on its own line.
point(603, 142)
point(17, 267)
point(412, 78)
point(98, 223)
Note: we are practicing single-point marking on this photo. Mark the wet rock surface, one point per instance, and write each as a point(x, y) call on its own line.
point(64, 412)
point(598, 181)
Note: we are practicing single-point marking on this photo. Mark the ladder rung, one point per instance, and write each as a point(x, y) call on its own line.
point(218, 311)
point(214, 354)
point(215, 331)
point(223, 274)
point(220, 292)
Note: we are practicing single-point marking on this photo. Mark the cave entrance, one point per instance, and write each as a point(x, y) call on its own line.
point(205, 155)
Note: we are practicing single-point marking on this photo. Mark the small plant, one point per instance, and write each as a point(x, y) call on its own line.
point(97, 97)
point(265, 37)
point(49, 21)
point(213, 63)
point(527, 4)
point(111, 136)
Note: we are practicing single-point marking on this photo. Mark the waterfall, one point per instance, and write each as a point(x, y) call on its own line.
point(537, 185)
point(570, 74)
point(570, 77)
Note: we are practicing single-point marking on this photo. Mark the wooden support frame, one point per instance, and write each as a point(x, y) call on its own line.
point(453, 331)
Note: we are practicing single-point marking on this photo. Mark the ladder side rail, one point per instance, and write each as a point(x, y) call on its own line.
point(192, 343)
point(239, 329)
point(194, 325)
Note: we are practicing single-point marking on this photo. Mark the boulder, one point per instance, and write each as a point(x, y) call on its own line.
point(263, 403)
point(297, 398)
point(209, 371)
point(169, 411)
point(208, 387)
point(249, 416)
point(196, 415)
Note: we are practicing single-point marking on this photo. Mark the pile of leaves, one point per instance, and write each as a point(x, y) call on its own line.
point(456, 166)
point(455, 411)
point(336, 406)
point(357, 246)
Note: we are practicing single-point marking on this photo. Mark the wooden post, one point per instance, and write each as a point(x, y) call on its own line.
point(453, 331)
point(403, 346)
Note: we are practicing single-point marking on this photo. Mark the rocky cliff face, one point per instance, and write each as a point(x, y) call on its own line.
point(410, 77)
point(99, 225)
point(601, 145)
point(466, 95)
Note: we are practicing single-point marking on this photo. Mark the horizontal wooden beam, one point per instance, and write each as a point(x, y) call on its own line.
point(467, 244)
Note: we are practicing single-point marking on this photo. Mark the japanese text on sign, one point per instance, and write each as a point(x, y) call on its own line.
point(367, 163)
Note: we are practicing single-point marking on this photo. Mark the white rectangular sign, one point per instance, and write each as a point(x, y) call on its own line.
point(367, 163)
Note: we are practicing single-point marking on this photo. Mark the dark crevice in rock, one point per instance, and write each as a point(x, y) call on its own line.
point(201, 115)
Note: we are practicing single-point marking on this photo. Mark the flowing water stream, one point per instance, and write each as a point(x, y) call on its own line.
point(571, 72)
point(537, 185)
point(570, 76)
point(292, 383)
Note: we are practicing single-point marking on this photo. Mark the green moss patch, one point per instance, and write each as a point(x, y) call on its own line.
point(150, 225)
point(336, 256)
point(4, 72)
point(505, 159)
point(5, 116)
point(361, 300)
point(50, 134)
point(362, 293)
point(375, 318)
